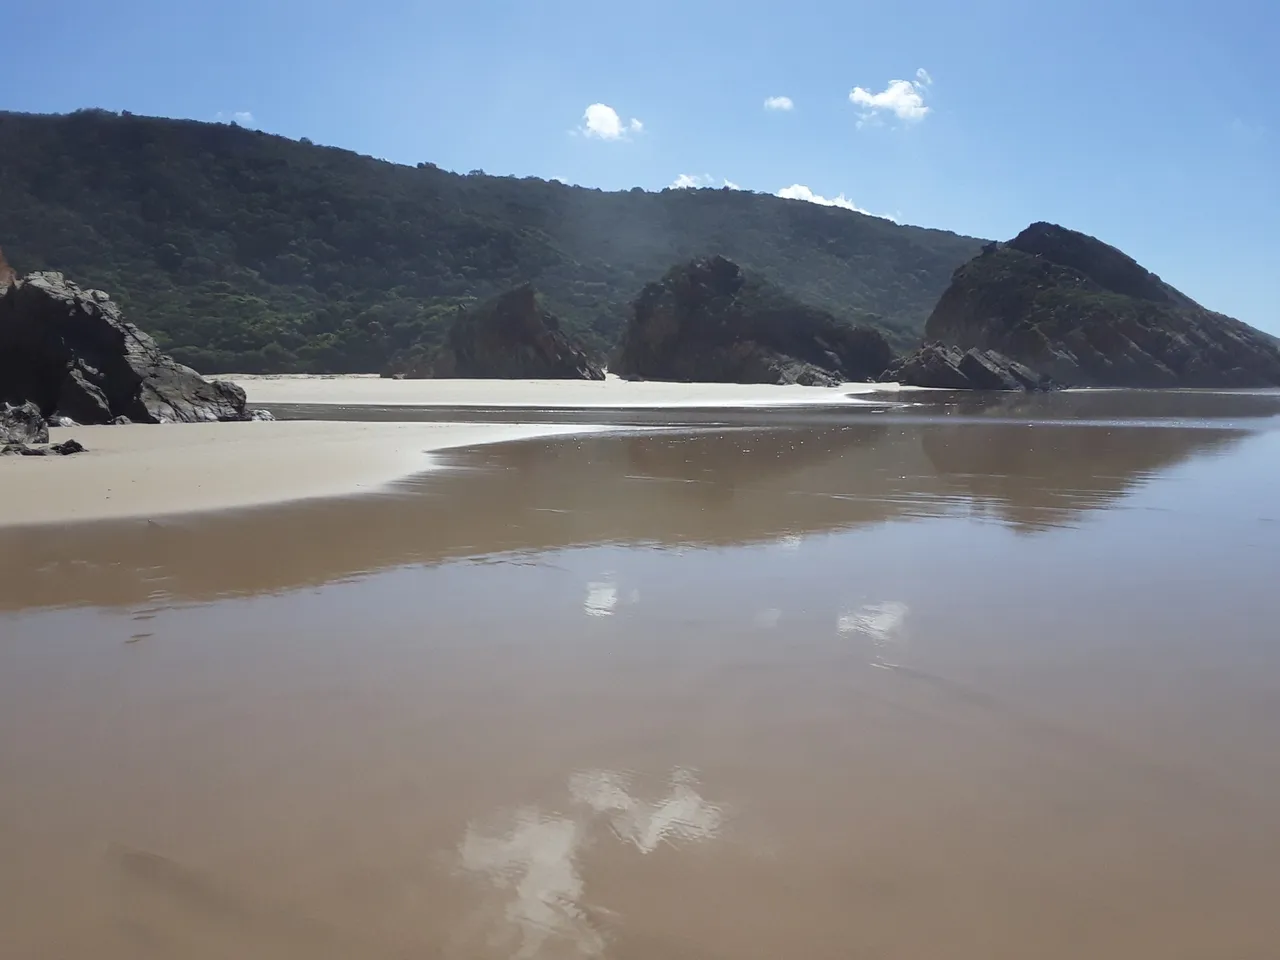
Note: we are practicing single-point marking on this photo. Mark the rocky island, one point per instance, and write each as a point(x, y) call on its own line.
point(506, 337)
point(1079, 311)
point(708, 320)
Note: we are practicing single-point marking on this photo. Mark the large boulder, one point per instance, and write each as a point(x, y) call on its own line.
point(22, 423)
point(72, 354)
point(950, 368)
point(708, 320)
point(1085, 314)
point(509, 337)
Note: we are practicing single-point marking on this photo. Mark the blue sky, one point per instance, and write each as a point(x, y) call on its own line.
point(1153, 125)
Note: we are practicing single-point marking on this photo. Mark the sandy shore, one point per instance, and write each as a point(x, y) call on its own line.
point(612, 393)
point(147, 470)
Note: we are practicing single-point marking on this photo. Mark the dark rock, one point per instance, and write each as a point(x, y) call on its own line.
point(72, 353)
point(508, 337)
point(709, 321)
point(122, 421)
point(950, 368)
point(262, 415)
point(65, 448)
point(1085, 314)
point(22, 424)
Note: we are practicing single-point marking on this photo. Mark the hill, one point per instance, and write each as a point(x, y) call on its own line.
point(1084, 313)
point(242, 250)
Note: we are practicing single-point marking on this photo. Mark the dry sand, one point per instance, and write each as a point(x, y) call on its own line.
point(612, 393)
point(147, 470)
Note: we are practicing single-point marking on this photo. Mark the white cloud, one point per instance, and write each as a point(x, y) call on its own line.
point(778, 103)
point(242, 117)
point(700, 181)
point(903, 98)
point(693, 181)
point(602, 122)
point(798, 191)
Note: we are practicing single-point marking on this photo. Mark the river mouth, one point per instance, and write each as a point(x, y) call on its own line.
point(925, 679)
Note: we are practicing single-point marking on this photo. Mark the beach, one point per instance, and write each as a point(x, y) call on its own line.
point(937, 679)
point(148, 470)
point(610, 393)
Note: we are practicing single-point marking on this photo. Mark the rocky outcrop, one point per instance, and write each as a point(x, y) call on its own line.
point(709, 321)
point(1085, 314)
point(22, 423)
point(950, 368)
point(63, 449)
point(72, 354)
point(509, 337)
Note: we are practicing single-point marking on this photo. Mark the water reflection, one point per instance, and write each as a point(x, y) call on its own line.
point(721, 486)
point(536, 904)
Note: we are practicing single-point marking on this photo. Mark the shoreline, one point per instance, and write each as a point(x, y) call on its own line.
point(143, 471)
point(613, 393)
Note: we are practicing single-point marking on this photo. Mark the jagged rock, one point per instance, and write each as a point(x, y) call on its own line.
point(60, 421)
point(262, 415)
point(22, 423)
point(709, 321)
point(950, 368)
point(508, 337)
point(65, 448)
point(121, 421)
point(72, 353)
point(1085, 314)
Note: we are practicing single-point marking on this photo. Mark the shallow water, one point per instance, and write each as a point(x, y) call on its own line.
point(950, 680)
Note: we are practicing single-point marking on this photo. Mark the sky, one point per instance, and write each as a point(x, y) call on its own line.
point(1152, 125)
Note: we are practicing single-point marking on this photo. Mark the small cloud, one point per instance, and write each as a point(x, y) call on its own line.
point(903, 98)
point(243, 117)
point(700, 181)
point(602, 122)
point(798, 191)
point(1248, 133)
point(778, 103)
point(693, 181)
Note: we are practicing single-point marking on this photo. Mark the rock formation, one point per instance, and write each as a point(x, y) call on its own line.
point(938, 365)
point(507, 337)
point(71, 353)
point(1085, 314)
point(709, 321)
point(22, 423)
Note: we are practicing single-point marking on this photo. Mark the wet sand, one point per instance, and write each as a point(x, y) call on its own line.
point(936, 682)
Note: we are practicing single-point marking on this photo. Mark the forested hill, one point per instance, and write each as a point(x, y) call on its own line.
point(241, 250)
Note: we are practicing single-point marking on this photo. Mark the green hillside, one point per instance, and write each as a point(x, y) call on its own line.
point(241, 250)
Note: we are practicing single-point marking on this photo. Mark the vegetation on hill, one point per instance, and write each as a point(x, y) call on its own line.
point(240, 250)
